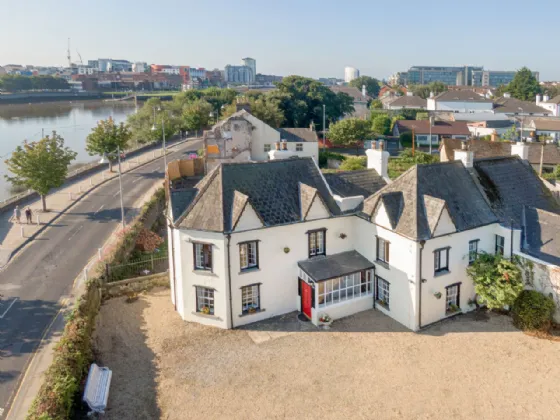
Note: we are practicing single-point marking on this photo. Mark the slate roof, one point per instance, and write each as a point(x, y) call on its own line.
point(353, 92)
point(512, 105)
point(555, 100)
point(298, 135)
point(546, 124)
point(322, 267)
point(541, 230)
point(423, 191)
point(509, 184)
point(444, 128)
point(410, 101)
point(272, 188)
point(461, 96)
point(352, 183)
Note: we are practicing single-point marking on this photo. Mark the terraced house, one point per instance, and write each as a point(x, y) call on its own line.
point(259, 239)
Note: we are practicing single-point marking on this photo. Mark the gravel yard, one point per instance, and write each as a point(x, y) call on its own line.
point(366, 367)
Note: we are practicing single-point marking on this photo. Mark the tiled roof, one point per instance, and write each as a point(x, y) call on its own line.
point(555, 100)
point(421, 191)
point(298, 135)
point(445, 128)
point(352, 183)
point(410, 101)
point(271, 188)
point(351, 91)
point(546, 124)
point(541, 230)
point(328, 267)
point(509, 184)
point(512, 105)
point(461, 96)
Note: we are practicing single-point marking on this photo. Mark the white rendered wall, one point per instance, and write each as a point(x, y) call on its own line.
point(261, 134)
point(457, 106)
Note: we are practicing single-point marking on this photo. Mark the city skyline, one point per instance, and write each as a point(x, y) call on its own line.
point(284, 42)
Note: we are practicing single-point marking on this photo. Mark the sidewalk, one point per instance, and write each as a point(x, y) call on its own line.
point(14, 236)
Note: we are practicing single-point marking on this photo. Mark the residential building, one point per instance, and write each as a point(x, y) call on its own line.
point(438, 130)
point(495, 78)
point(483, 123)
point(423, 75)
point(139, 67)
point(484, 149)
point(242, 137)
point(408, 101)
point(215, 77)
point(2, 71)
point(360, 97)
point(252, 64)
point(350, 73)
point(552, 105)
point(256, 240)
point(330, 81)
point(549, 128)
point(460, 101)
point(238, 74)
point(267, 79)
point(512, 106)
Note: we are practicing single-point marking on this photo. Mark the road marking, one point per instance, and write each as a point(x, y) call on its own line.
point(75, 233)
point(117, 193)
point(137, 179)
point(100, 208)
point(155, 170)
point(9, 307)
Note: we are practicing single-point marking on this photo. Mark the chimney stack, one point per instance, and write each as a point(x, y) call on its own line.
point(539, 98)
point(409, 93)
point(521, 149)
point(364, 91)
point(507, 95)
point(431, 94)
point(464, 155)
point(378, 159)
point(546, 98)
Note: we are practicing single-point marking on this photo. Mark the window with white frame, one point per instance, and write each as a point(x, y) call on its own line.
point(202, 256)
point(316, 240)
point(299, 147)
point(382, 293)
point(250, 298)
point(453, 297)
point(473, 251)
point(267, 148)
point(441, 260)
point(248, 255)
point(352, 286)
point(500, 243)
point(205, 300)
point(382, 250)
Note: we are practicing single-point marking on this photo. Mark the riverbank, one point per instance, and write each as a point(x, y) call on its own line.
point(46, 97)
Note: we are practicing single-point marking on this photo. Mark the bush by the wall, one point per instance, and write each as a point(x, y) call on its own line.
point(324, 156)
point(533, 311)
point(354, 164)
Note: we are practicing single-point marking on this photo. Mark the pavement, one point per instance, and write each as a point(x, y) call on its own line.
point(36, 286)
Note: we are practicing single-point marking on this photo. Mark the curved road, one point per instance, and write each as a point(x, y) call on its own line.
point(33, 283)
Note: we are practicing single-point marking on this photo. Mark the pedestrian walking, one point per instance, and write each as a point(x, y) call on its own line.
point(17, 214)
point(29, 215)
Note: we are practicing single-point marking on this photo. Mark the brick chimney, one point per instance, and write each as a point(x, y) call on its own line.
point(378, 158)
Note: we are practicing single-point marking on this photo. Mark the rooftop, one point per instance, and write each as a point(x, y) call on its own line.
point(298, 135)
point(322, 267)
point(445, 128)
point(410, 101)
point(512, 105)
point(354, 183)
point(542, 235)
point(461, 96)
point(351, 91)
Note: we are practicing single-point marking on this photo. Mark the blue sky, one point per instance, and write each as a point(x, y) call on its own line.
point(307, 37)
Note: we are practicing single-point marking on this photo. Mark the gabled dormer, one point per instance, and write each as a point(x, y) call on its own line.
point(312, 205)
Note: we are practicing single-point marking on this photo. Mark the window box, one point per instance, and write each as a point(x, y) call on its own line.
point(453, 299)
point(382, 295)
point(204, 300)
point(253, 312)
point(452, 309)
point(251, 299)
point(382, 303)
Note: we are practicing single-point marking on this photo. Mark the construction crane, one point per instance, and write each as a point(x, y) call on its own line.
point(80, 56)
point(68, 56)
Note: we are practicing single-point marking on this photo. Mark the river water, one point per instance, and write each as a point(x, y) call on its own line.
point(72, 120)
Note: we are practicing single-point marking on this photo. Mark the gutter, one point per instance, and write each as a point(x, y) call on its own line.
point(422, 243)
point(229, 279)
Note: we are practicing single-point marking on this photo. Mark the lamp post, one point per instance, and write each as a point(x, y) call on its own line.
point(109, 156)
point(521, 119)
point(430, 121)
point(324, 132)
point(154, 128)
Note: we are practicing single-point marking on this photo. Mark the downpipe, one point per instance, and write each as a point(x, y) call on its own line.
point(229, 279)
point(422, 243)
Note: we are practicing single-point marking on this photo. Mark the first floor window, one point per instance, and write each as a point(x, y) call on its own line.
point(317, 242)
point(202, 256)
point(299, 147)
point(248, 255)
point(441, 260)
point(205, 300)
point(382, 250)
point(250, 298)
point(500, 242)
point(382, 294)
point(473, 251)
point(452, 297)
point(352, 286)
point(267, 148)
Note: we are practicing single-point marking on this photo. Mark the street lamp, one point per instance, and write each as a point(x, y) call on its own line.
point(521, 119)
point(108, 156)
point(154, 128)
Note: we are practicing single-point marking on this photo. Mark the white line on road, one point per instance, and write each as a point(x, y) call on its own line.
point(100, 208)
point(74, 234)
point(139, 178)
point(155, 170)
point(9, 307)
point(117, 193)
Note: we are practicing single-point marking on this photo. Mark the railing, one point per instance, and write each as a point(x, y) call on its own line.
point(137, 268)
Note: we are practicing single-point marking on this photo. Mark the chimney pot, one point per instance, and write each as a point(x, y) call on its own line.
point(463, 145)
point(381, 145)
point(374, 144)
point(277, 145)
point(284, 145)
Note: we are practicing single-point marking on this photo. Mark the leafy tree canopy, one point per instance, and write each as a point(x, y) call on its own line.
point(196, 115)
point(348, 132)
point(40, 166)
point(16, 83)
point(376, 104)
point(524, 85)
point(372, 85)
point(381, 125)
point(424, 90)
point(106, 138)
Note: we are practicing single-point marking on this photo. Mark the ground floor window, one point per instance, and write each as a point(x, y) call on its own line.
point(344, 288)
point(453, 298)
point(205, 300)
point(382, 293)
point(250, 299)
point(500, 241)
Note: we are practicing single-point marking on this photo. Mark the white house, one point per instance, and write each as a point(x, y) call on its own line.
point(460, 101)
point(408, 101)
point(437, 129)
point(257, 240)
point(242, 137)
point(552, 105)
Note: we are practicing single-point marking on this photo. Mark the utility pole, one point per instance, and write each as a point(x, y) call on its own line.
point(430, 121)
point(413, 141)
point(120, 187)
point(542, 159)
point(324, 132)
point(164, 157)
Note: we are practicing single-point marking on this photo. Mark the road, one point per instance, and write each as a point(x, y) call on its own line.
point(34, 282)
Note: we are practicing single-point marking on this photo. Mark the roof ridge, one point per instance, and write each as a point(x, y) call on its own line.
point(200, 193)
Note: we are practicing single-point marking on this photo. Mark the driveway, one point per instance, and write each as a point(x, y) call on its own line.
point(367, 366)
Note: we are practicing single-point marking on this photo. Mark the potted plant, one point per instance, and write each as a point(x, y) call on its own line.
point(325, 320)
point(252, 310)
point(205, 310)
point(437, 295)
point(382, 302)
point(453, 308)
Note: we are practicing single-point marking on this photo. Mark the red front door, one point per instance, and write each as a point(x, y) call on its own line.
point(306, 296)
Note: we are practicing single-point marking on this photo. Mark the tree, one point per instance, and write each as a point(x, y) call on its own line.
point(381, 125)
point(395, 119)
point(524, 85)
point(349, 132)
point(196, 115)
point(376, 104)
point(497, 281)
point(371, 84)
point(148, 241)
point(106, 138)
point(510, 134)
point(424, 90)
point(354, 163)
point(40, 166)
point(267, 110)
point(150, 115)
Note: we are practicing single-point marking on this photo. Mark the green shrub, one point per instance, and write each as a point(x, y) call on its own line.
point(419, 157)
point(324, 156)
point(354, 164)
point(406, 139)
point(533, 311)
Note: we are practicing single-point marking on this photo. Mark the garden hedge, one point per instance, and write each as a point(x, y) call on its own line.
point(533, 311)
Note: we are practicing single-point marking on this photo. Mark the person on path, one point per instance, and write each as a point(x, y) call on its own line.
point(29, 215)
point(17, 214)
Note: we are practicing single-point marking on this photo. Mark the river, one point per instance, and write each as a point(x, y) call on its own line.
point(72, 120)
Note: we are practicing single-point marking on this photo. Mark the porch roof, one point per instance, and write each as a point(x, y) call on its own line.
point(322, 267)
